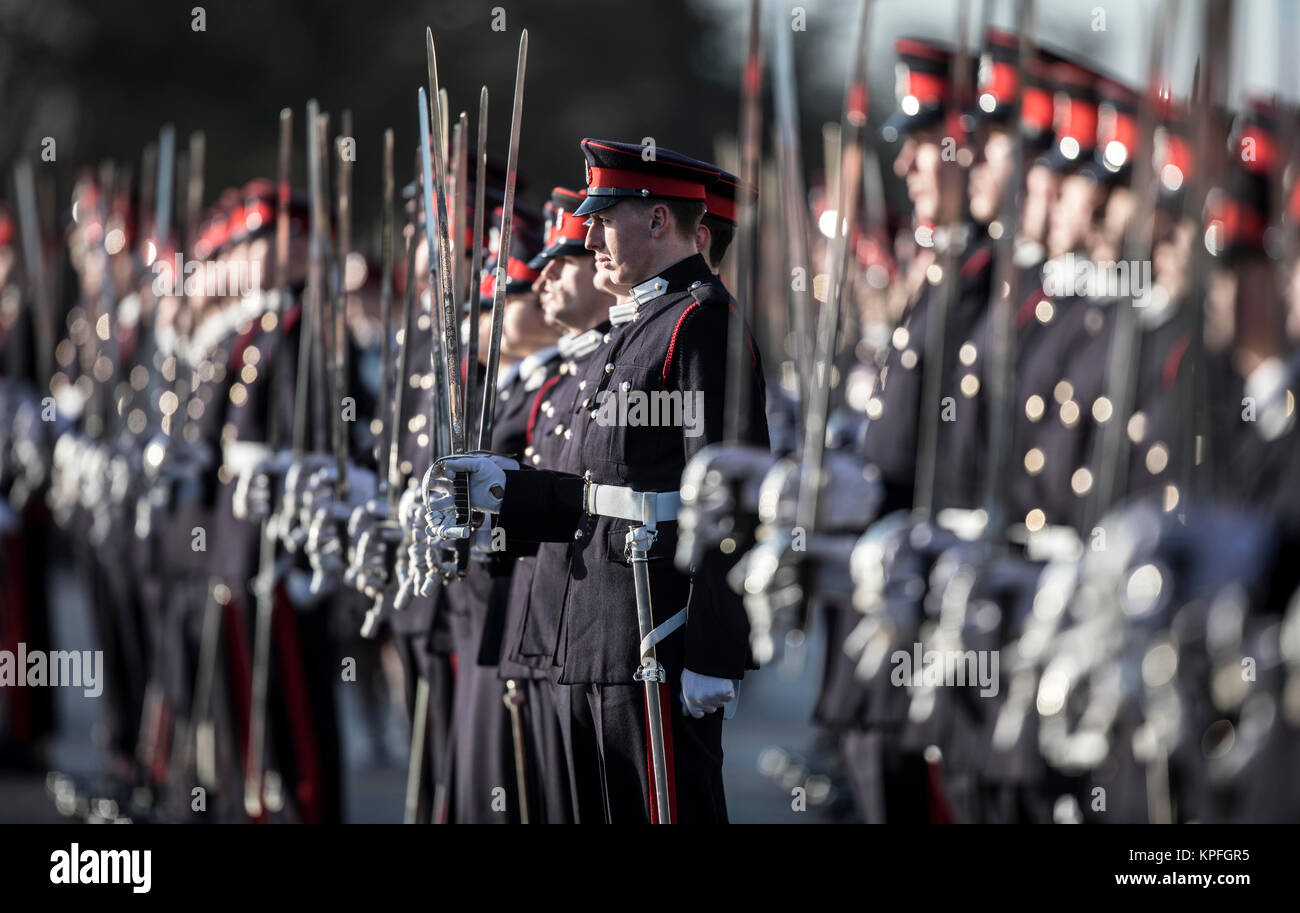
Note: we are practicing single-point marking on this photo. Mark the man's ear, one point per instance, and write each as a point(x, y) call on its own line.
point(702, 238)
point(659, 220)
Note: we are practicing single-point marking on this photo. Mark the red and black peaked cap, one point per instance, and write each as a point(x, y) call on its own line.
point(723, 198)
point(620, 171)
point(923, 86)
point(999, 83)
point(1075, 119)
point(566, 234)
point(1117, 133)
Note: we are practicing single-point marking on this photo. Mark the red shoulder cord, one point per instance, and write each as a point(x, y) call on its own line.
point(546, 388)
point(672, 343)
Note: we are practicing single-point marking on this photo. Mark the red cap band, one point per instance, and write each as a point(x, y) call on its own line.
point(620, 179)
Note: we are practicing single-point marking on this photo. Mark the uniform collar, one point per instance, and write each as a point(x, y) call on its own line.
point(531, 367)
point(676, 278)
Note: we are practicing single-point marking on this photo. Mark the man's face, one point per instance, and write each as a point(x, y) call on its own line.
point(918, 164)
point(622, 238)
point(1041, 185)
point(570, 299)
point(990, 174)
point(1071, 219)
point(524, 329)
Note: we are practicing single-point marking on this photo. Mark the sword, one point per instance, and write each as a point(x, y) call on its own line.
point(344, 209)
point(435, 201)
point(941, 305)
point(476, 258)
point(503, 253)
point(390, 477)
point(750, 151)
point(514, 700)
point(852, 134)
point(264, 588)
point(794, 203)
point(456, 206)
point(34, 263)
point(1006, 292)
point(1125, 344)
point(415, 769)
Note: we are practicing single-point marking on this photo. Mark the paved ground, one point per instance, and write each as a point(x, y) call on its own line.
point(774, 710)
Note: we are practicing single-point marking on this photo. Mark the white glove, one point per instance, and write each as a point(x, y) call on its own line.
point(258, 487)
point(439, 500)
point(703, 694)
point(487, 481)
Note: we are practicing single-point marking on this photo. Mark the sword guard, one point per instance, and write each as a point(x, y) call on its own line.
point(650, 671)
point(639, 539)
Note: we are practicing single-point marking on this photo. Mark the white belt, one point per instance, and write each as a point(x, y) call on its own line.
point(648, 507)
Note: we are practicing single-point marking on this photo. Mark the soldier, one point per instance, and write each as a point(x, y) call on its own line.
point(643, 233)
point(562, 758)
point(484, 758)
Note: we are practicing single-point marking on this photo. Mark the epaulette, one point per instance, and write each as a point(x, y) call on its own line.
point(709, 294)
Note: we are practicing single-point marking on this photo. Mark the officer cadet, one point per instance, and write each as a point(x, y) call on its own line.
point(484, 756)
point(1050, 320)
point(572, 302)
point(927, 109)
point(420, 622)
point(665, 338)
point(257, 424)
point(718, 225)
point(1252, 373)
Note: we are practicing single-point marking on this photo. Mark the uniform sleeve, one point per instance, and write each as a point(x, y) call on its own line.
point(717, 628)
point(541, 505)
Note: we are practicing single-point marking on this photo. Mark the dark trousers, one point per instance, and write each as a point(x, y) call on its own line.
point(420, 662)
point(609, 721)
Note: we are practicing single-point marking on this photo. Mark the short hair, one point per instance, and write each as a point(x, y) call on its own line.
point(686, 213)
point(721, 233)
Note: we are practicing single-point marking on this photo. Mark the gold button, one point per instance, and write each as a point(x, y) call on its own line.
point(1081, 481)
point(1034, 408)
point(908, 359)
point(970, 385)
point(1157, 458)
point(1101, 410)
point(900, 338)
point(1137, 427)
point(1035, 519)
point(1063, 391)
point(1034, 461)
point(1069, 413)
point(968, 353)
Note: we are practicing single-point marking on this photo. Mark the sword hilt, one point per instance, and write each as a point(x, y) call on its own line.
point(460, 489)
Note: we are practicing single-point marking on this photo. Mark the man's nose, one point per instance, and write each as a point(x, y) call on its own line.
point(906, 156)
point(595, 236)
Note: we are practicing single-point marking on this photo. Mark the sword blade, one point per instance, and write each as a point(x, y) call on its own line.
point(503, 254)
point(476, 260)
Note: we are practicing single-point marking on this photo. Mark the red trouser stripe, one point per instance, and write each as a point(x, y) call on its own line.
point(293, 678)
point(241, 671)
point(665, 717)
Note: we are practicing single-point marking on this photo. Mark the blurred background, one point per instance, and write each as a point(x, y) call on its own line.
point(102, 78)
